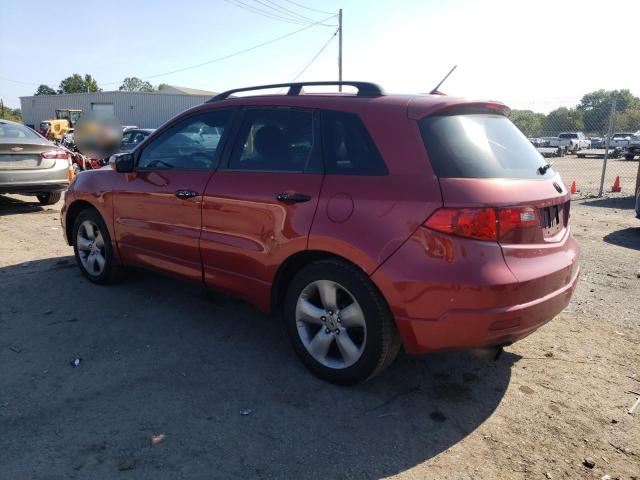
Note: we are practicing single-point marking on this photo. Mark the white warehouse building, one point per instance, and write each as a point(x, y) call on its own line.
point(144, 110)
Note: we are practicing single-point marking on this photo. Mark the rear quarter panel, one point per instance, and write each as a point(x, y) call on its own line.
point(367, 218)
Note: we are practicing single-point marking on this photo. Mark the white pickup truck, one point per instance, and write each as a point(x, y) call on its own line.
point(570, 142)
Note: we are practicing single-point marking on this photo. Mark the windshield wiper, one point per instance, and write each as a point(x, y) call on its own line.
point(543, 169)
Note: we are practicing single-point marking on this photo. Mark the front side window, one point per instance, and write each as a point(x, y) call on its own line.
point(347, 148)
point(191, 144)
point(274, 140)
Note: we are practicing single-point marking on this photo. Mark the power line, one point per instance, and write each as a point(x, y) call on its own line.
point(224, 57)
point(19, 81)
point(283, 10)
point(263, 13)
point(308, 8)
point(315, 56)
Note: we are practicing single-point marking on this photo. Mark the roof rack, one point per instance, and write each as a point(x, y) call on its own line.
point(365, 89)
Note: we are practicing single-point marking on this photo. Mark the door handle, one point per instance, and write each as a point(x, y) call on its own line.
point(184, 194)
point(292, 197)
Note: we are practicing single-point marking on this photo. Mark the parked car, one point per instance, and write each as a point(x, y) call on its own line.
point(370, 221)
point(620, 140)
point(573, 141)
point(633, 148)
point(30, 164)
point(133, 136)
point(596, 142)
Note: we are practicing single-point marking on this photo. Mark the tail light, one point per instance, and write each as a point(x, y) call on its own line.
point(510, 219)
point(57, 154)
point(482, 223)
point(479, 223)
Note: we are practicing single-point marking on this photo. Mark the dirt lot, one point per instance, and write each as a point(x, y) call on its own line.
point(586, 172)
point(218, 385)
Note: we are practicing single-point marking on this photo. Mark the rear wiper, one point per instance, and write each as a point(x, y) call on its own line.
point(543, 169)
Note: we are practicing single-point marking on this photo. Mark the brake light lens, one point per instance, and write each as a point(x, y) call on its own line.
point(516, 218)
point(478, 223)
point(483, 223)
point(57, 154)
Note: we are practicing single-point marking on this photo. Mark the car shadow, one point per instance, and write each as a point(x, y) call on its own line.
point(627, 237)
point(213, 381)
point(621, 203)
point(14, 206)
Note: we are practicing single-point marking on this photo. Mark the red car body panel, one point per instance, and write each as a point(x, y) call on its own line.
point(247, 234)
point(154, 228)
point(444, 291)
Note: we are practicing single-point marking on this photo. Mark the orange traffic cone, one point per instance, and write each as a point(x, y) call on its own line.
point(616, 187)
point(574, 189)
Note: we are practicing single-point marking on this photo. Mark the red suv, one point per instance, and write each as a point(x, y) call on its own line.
point(372, 221)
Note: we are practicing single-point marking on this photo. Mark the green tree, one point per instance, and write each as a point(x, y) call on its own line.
point(162, 85)
point(135, 84)
point(628, 121)
point(563, 119)
point(77, 84)
point(13, 114)
point(596, 107)
point(45, 90)
point(530, 123)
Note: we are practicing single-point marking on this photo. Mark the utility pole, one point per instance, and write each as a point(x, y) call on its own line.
point(340, 49)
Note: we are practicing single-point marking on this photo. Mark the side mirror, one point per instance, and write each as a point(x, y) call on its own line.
point(121, 162)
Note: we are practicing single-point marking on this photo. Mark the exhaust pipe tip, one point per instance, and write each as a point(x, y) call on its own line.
point(488, 353)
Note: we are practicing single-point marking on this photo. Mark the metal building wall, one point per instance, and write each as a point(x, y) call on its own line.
point(145, 110)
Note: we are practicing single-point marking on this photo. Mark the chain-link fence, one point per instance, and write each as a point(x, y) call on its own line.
point(591, 144)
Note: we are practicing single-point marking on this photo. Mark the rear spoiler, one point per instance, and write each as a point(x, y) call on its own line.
point(417, 109)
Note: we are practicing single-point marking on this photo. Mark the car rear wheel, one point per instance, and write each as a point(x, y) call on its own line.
point(49, 198)
point(339, 324)
point(92, 247)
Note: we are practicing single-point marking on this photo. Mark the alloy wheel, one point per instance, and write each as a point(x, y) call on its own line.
point(331, 324)
point(91, 248)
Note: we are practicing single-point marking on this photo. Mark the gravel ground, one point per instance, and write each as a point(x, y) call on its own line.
point(587, 172)
point(176, 382)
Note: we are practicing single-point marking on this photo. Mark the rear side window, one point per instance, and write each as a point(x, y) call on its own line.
point(480, 146)
point(274, 140)
point(347, 148)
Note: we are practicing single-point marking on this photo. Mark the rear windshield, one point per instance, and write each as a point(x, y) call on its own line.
point(480, 146)
point(12, 130)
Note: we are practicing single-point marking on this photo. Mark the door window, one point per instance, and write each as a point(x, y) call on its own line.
point(274, 140)
point(191, 144)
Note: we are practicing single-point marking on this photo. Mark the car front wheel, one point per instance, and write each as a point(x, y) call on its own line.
point(339, 324)
point(92, 247)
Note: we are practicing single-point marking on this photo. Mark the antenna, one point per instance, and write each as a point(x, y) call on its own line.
point(435, 90)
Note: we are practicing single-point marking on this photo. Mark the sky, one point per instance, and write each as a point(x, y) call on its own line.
point(536, 55)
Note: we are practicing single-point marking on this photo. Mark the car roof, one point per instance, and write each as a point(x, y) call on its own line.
point(417, 106)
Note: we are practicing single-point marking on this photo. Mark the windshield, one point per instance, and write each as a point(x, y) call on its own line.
point(568, 135)
point(480, 146)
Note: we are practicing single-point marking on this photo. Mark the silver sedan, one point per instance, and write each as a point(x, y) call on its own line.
point(31, 164)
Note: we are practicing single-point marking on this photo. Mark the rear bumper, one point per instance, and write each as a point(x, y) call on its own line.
point(52, 179)
point(483, 327)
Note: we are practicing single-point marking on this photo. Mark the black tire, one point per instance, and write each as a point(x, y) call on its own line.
point(49, 198)
point(382, 338)
point(111, 271)
point(628, 157)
